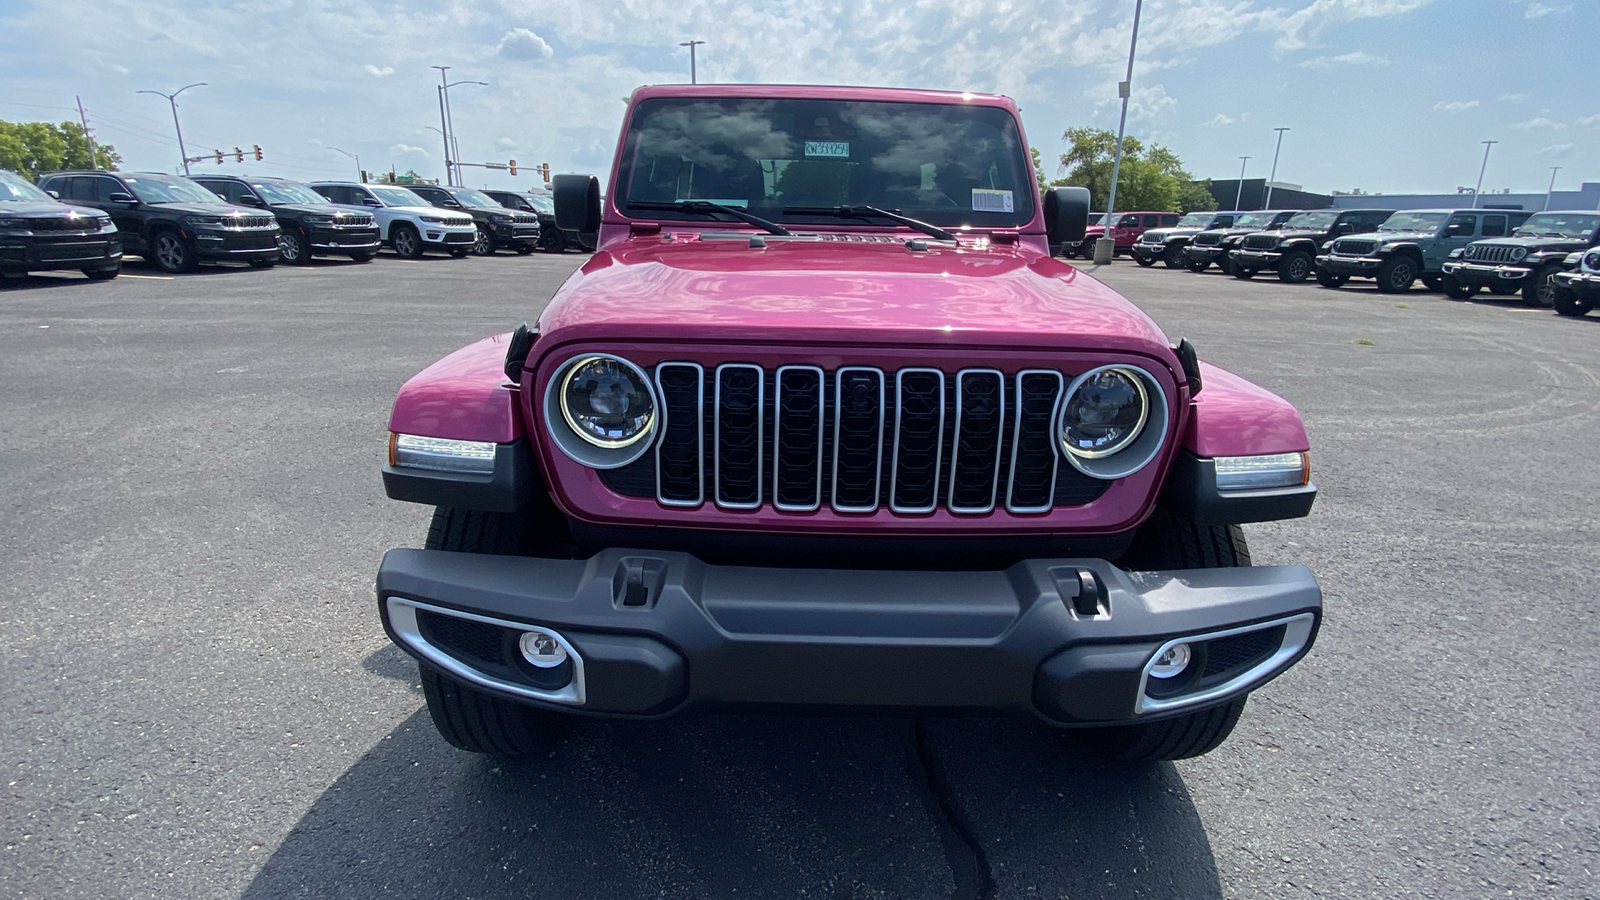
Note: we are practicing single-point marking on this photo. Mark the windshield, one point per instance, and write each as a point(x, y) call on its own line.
point(1414, 221)
point(1255, 219)
point(396, 196)
point(1577, 225)
point(14, 188)
point(541, 203)
point(943, 163)
point(470, 197)
point(1311, 220)
point(276, 192)
point(1196, 220)
point(1097, 218)
point(168, 189)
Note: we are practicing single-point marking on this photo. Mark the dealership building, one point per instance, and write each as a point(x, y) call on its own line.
point(1253, 195)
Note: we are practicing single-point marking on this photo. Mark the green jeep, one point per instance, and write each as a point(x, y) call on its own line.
point(1411, 244)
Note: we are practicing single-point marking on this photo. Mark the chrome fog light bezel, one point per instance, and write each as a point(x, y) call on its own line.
point(403, 621)
point(1265, 472)
point(415, 451)
point(1296, 636)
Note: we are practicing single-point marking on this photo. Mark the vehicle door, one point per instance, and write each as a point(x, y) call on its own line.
point(355, 195)
point(1460, 230)
point(126, 215)
point(1126, 231)
point(1348, 223)
point(220, 188)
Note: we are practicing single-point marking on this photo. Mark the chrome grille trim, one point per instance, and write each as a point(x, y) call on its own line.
point(838, 418)
point(777, 437)
point(999, 444)
point(760, 430)
point(899, 440)
point(1016, 440)
point(699, 433)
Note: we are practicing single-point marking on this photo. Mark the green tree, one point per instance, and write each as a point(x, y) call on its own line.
point(33, 148)
point(1150, 178)
point(1038, 169)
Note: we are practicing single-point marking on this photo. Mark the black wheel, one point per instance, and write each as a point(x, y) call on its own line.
point(524, 249)
point(263, 263)
point(1433, 283)
point(1196, 265)
point(1242, 272)
point(362, 256)
point(1146, 263)
point(1086, 249)
point(459, 253)
point(554, 240)
point(406, 241)
point(1541, 287)
point(1330, 280)
point(1501, 289)
point(102, 274)
point(1295, 267)
point(293, 248)
point(1455, 290)
point(1567, 302)
point(471, 720)
point(171, 253)
point(1225, 264)
point(1396, 274)
point(483, 244)
point(1174, 258)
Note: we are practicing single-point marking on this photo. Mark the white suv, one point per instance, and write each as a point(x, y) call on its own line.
point(406, 222)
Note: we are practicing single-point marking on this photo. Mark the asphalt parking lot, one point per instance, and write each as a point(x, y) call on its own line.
point(199, 701)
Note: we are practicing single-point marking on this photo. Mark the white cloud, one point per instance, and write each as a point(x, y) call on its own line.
point(1304, 27)
point(404, 149)
point(1557, 151)
point(520, 43)
point(1540, 122)
point(376, 72)
point(1455, 105)
point(1354, 58)
point(505, 143)
point(1512, 98)
point(1221, 119)
point(1586, 121)
point(1538, 9)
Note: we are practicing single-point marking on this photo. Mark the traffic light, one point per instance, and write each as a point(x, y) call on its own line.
point(363, 176)
point(219, 157)
point(257, 148)
point(544, 169)
point(238, 155)
point(513, 167)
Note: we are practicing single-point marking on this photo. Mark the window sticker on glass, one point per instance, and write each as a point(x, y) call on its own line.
point(828, 149)
point(986, 200)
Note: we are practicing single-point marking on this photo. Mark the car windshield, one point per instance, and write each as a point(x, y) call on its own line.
point(541, 203)
point(1575, 225)
point(470, 197)
point(14, 188)
point(1254, 220)
point(275, 192)
point(1196, 220)
point(1311, 220)
point(1414, 221)
point(396, 196)
point(946, 164)
point(168, 189)
point(1097, 218)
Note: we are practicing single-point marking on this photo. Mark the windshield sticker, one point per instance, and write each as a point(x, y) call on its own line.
point(828, 149)
point(986, 200)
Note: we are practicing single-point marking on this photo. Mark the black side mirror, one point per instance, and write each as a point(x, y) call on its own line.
point(251, 200)
point(1066, 214)
point(577, 199)
point(450, 204)
point(121, 197)
point(369, 201)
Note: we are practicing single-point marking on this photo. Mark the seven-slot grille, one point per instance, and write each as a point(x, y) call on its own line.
point(1349, 247)
point(249, 221)
point(1261, 242)
point(65, 223)
point(1208, 238)
point(346, 220)
point(855, 440)
point(1495, 253)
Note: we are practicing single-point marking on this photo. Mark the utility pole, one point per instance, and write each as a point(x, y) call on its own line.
point(1487, 146)
point(1238, 197)
point(84, 121)
point(444, 126)
point(172, 99)
point(693, 76)
point(354, 156)
point(1552, 189)
point(1106, 247)
point(1267, 204)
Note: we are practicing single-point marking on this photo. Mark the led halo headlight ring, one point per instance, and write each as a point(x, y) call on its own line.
point(583, 447)
point(1134, 452)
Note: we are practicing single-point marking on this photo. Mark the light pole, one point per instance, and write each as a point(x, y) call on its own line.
point(693, 76)
point(1267, 203)
point(444, 124)
point(1552, 189)
point(447, 119)
point(1106, 247)
point(1238, 197)
point(355, 156)
point(1487, 146)
point(172, 98)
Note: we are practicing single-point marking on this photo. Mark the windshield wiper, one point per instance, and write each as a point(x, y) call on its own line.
point(870, 212)
point(706, 207)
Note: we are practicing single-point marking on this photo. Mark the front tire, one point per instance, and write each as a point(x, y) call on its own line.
point(1197, 266)
point(1330, 280)
point(102, 274)
point(459, 254)
point(1295, 267)
point(1174, 258)
point(1455, 290)
point(1242, 273)
point(293, 248)
point(1541, 287)
point(554, 241)
point(172, 254)
point(1144, 263)
point(263, 263)
point(1566, 302)
point(483, 244)
point(1396, 275)
point(362, 257)
point(1433, 283)
point(407, 243)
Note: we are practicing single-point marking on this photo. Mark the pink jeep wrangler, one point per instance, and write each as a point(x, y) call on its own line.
point(823, 426)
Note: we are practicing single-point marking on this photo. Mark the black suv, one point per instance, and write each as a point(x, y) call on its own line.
point(170, 220)
point(309, 223)
point(1528, 259)
point(1167, 245)
point(39, 232)
point(1212, 245)
point(1292, 250)
point(497, 226)
point(551, 238)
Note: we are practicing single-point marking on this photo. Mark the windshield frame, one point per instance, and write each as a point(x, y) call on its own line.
point(23, 189)
point(379, 190)
point(1530, 228)
point(263, 189)
point(143, 183)
point(1202, 220)
point(1311, 224)
point(1243, 221)
point(1438, 217)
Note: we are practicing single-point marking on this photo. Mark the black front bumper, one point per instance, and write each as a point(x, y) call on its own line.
point(1205, 253)
point(344, 240)
point(248, 244)
point(1255, 259)
point(1487, 274)
point(651, 633)
point(1148, 252)
point(514, 235)
point(1584, 284)
point(47, 251)
point(1350, 266)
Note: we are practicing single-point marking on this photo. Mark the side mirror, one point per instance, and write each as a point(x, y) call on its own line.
point(121, 197)
point(450, 204)
point(577, 199)
point(251, 200)
point(1066, 214)
point(370, 201)
point(54, 195)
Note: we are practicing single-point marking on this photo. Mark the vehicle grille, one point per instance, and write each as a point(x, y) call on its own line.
point(1493, 253)
point(249, 221)
point(1261, 242)
point(348, 221)
point(855, 440)
point(58, 250)
point(525, 219)
point(458, 237)
point(1153, 237)
point(1207, 239)
point(64, 223)
point(1347, 247)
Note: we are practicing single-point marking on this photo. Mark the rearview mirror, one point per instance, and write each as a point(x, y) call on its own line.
point(1066, 214)
point(577, 199)
point(121, 197)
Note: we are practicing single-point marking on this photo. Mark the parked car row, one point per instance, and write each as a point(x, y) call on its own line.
point(88, 219)
point(1546, 256)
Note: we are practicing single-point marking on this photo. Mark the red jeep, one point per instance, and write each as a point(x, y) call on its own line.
point(822, 426)
point(1130, 226)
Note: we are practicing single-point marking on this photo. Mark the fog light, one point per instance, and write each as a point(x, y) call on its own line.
point(1171, 662)
point(542, 649)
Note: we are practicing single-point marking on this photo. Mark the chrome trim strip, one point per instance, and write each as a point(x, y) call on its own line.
point(838, 404)
point(938, 451)
point(716, 439)
point(403, 618)
point(777, 412)
point(999, 444)
point(1016, 434)
point(1295, 636)
point(699, 434)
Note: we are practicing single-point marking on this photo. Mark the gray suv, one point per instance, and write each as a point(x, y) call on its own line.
point(1411, 244)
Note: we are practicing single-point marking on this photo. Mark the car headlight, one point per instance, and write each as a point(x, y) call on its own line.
point(318, 220)
point(499, 219)
point(104, 224)
point(436, 220)
point(1518, 254)
point(1112, 421)
point(203, 221)
point(441, 454)
point(601, 410)
point(1261, 473)
point(1591, 260)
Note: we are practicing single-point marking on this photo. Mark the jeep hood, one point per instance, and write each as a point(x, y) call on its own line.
point(843, 292)
point(209, 209)
point(1532, 242)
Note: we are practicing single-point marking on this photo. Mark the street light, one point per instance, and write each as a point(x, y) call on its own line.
point(172, 98)
point(1106, 247)
point(1487, 146)
point(447, 119)
point(693, 78)
point(355, 156)
point(1238, 197)
point(1552, 189)
point(1267, 204)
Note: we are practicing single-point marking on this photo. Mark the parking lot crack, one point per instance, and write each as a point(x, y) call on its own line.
point(969, 864)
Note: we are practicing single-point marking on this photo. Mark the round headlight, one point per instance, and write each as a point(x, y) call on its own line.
point(1104, 414)
point(1592, 261)
point(607, 402)
point(1518, 253)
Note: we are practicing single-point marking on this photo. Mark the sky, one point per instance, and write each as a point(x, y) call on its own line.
point(1380, 95)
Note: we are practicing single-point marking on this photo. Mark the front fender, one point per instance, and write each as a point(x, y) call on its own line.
point(464, 396)
point(1233, 417)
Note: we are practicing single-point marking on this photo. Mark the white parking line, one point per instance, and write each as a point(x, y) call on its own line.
point(151, 277)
